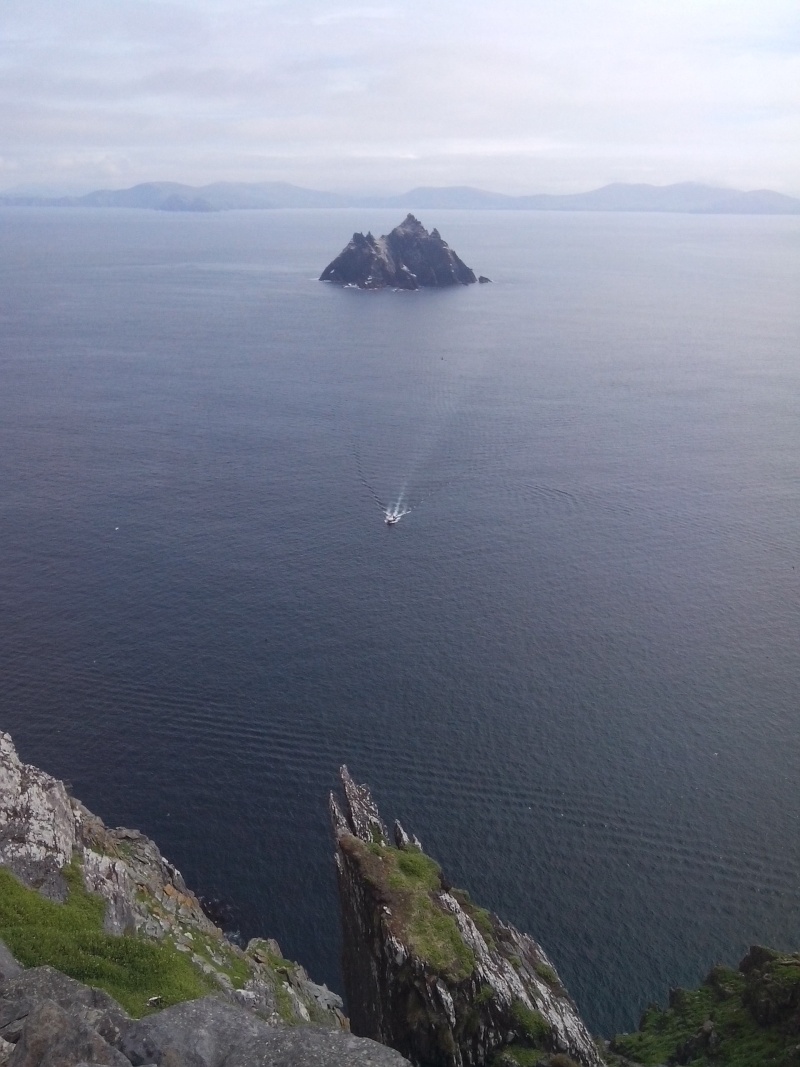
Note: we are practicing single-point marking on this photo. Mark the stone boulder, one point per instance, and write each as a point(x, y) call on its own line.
point(52, 1037)
point(214, 1033)
point(50, 1020)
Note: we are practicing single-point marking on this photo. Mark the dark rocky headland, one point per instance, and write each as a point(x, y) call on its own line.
point(407, 258)
point(107, 957)
point(431, 973)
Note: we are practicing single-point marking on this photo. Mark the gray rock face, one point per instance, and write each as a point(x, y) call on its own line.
point(37, 828)
point(53, 1038)
point(407, 258)
point(42, 828)
point(428, 972)
point(312, 1047)
point(9, 968)
point(38, 985)
point(213, 1033)
point(202, 1032)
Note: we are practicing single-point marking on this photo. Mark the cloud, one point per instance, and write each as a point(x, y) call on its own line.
point(357, 14)
point(518, 95)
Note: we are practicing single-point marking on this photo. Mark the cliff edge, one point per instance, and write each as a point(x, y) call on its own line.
point(107, 957)
point(430, 973)
point(407, 258)
point(109, 883)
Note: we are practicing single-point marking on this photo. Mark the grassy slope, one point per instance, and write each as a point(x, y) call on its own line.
point(755, 1018)
point(407, 880)
point(70, 938)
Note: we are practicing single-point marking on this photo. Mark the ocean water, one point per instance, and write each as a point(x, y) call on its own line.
point(572, 668)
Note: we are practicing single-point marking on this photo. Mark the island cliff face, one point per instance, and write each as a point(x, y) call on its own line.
point(407, 258)
point(431, 974)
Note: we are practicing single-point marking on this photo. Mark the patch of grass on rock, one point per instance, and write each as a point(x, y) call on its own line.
point(531, 1024)
point(70, 938)
point(407, 881)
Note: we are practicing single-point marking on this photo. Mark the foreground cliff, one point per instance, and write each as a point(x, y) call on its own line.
point(50, 1020)
point(106, 955)
point(407, 258)
point(430, 973)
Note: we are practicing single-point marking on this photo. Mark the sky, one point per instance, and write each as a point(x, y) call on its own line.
point(516, 96)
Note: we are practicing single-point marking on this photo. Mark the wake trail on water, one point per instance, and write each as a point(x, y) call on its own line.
point(393, 511)
point(416, 487)
point(363, 477)
point(431, 439)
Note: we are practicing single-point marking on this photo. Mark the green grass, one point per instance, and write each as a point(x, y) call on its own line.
point(480, 916)
point(531, 1024)
point(415, 871)
point(723, 999)
point(407, 879)
point(546, 973)
point(517, 1056)
point(70, 938)
point(232, 964)
point(485, 995)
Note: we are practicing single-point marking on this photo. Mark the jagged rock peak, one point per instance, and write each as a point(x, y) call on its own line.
point(362, 815)
point(430, 973)
point(411, 224)
point(407, 258)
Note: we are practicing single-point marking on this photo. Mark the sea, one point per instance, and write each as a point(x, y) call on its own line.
point(571, 668)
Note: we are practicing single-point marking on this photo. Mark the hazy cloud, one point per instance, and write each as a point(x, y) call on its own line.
point(357, 13)
point(519, 95)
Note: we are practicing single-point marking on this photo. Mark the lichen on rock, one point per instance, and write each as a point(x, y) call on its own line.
point(430, 973)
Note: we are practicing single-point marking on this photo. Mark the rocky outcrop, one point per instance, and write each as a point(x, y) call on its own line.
point(750, 1014)
point(430, 973)
point(37, 824)
point(48, 837)
point(407, 258)
point(49, 1020)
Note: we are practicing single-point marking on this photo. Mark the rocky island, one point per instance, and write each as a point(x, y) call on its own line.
point(407, 258)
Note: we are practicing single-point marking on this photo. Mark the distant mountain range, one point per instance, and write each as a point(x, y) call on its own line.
point(688, 197)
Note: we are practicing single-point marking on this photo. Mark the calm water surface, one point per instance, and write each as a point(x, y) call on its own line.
point(572, 669)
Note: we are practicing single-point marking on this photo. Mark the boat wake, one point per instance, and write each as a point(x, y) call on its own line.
point(394, 512)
